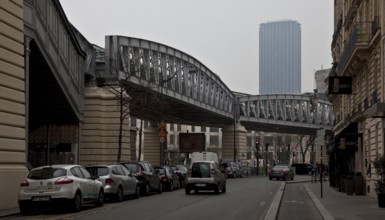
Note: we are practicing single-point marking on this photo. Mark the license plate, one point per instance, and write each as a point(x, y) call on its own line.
point(200, 184)
point(41, 198)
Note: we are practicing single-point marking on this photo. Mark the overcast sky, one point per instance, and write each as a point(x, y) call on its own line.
point(222, 34)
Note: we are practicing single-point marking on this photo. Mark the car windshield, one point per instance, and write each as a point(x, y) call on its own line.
point(98, 171)
point(46, 173)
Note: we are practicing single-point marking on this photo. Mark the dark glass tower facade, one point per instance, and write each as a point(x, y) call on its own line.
point(280, 57)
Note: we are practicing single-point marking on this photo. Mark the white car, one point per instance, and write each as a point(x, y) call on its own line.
point(59, 185)
point(205, 175)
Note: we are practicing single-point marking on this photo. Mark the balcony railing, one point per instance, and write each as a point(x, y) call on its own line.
point(360, 36)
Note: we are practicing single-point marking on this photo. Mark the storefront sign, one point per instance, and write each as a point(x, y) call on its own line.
point(340, 85)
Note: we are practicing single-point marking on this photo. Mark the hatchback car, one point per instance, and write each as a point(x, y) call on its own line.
point(149, 180)
point(168, 177)
point(281, 171)
point(118, 181)
point(181, 170)
point(232, 169)
point(205, 175)
point(59, 185)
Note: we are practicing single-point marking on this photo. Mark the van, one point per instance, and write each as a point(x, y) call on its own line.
point(204, 156)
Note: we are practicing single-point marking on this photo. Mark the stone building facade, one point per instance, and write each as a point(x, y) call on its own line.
point(358, 53)
point(12, 101)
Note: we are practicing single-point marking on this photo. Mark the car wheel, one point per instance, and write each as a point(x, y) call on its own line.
point(160, 188)
point(187, 191)
point(146, 189)
point(76, 203)
point(217, 189)
point(25, 209)
point(119, 195)
point(100, 201)
point(137, 192)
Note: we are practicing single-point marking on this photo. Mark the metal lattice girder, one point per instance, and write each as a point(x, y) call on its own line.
point(284, 110)
point(184, 91)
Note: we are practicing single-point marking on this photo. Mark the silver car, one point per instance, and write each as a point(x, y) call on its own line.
point(118, 181)
point(59, 185)
point(205, 175)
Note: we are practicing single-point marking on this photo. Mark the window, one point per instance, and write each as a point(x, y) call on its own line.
point(76, 172)
point(86, 174)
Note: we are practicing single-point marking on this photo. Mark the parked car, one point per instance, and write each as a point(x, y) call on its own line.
point(59, 185)
point(205, 175)
point(149, 180)
point(168, 177)
point(281, 171)
point(232, 169)
point(182, 170)
point(303, 168)
point(117, 180)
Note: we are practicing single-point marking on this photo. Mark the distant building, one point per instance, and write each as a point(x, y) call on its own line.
point(280, 57)
point(320, 77)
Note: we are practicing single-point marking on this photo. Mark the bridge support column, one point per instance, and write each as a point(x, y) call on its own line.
point(151, 145)
point(234, 136)
point(100, 131)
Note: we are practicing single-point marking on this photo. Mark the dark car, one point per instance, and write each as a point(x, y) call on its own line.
point(303, 168)
point(168, 177)
point(281, 171)
point(149, 180)
point(181, 171)
point(232, 169)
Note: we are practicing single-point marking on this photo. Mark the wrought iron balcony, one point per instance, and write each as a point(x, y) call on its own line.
point(357, 47)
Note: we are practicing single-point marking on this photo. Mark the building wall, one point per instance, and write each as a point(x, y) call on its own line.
point(280, 57)
point(12, 102)
point(367, 71)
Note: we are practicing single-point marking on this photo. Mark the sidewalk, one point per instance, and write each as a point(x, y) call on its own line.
point(342, 206)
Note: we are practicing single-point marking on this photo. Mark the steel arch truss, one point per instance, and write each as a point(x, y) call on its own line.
point(287, 109)
point(170, 72)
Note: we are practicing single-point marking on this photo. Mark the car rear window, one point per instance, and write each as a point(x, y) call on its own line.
point(161, 171)
point(200, 170)
point(98, 171)
point(133, 167)
point(46, 173)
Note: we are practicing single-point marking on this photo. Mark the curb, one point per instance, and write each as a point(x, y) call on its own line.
point(321, 208)
point(272, 213)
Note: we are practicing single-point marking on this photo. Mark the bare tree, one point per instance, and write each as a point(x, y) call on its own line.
point(308, 141)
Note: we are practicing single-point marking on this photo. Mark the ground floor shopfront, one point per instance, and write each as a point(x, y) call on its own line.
point(353, 149)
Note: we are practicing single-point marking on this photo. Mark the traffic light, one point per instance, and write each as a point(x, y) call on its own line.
point(257, 144)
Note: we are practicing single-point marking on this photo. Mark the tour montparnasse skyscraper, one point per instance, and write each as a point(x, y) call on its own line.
point(280, 57)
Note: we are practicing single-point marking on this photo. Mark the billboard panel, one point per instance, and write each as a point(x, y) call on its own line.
point(191, 142)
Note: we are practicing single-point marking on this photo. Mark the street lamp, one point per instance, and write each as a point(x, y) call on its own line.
point(236, 115)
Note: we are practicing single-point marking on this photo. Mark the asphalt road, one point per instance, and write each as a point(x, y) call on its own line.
point(246, 198)
point(296, 204)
